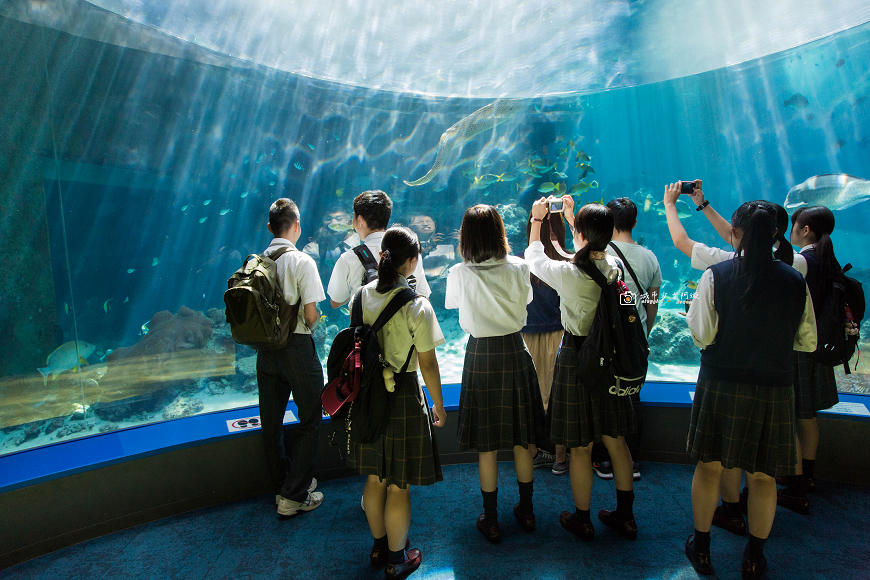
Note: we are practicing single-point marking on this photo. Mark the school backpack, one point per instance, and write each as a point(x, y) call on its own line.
point(257, 312)
point(613, 357)
point(841, 301)
point(356, 395)
point(370, 265)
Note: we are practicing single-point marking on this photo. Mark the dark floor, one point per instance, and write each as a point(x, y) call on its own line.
point(248, 540)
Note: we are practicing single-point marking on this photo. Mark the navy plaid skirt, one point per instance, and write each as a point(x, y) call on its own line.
point(500, 402)
point(578, 414)
point(746, 426)
point(815, 387)
point(407, 454)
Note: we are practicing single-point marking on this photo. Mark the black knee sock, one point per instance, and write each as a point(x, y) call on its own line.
point(702, 541)
point(397, 557)
point(526, 497)
point(624, 503)
point(754, 549)
point(797, 486)
point(731, 510)
point(809, 466)
point(582, 516)
point(490, 507)
point(381, 543)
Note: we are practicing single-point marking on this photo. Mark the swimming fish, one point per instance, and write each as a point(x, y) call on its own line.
point(547, 187)
point(206, 202)
point(586, 168)
point(106, 354)
point(560, 189)
point(155, 261)
point(68, 356)
point(470, 172)
point(323, 318)
point(65, 308)
point(488, 179)
point(202, 220)
point(840, 63)
point(834, 191)
point(810, 117)
point(225, 211)
point(797, 101)
point(560, 175)
point(131, 270)
point(477, 122)
point(647, 203)
point(676, 263)
point(310, 146)
point(683, 209)
point(578, 188)
point(260, 157)
point(106, 305)
point(244, 194)
point(185, 208)
point(582, 156)
point(840, 143)
point(339, 192)
point(641, 241)
point(484, 163)
point(299, 166)
point(126, 300)
point(344, 310)
point(539, 163)
point(271, 183)
point(339, 227)
point(507, 177)
point(692, 284)
point(143, 330)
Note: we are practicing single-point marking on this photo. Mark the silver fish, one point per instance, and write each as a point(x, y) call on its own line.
point(477, 122)
point(834, 191)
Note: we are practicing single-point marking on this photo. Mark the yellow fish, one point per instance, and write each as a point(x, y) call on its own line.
point(106, 305)
point(692, 284)
point(68, 356)
point(339, 192)
point(647, 204)
point(323, 318)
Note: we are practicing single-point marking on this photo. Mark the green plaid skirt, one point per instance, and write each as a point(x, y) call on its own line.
point(745, 426)
point(578, 414)
point(815, 387)
point(500, 402)
point(407, 454)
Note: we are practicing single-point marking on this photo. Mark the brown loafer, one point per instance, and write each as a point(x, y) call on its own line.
point(582, 529)
point(700, 560)
point(492, 533)
point(753, 570)
point(526, 521)
point(735, 525)
point(627, 528)
point(378, 557)
point(795, 503)
point(406, 568)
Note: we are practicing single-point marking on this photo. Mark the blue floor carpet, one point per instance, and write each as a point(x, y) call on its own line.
point(247, 540)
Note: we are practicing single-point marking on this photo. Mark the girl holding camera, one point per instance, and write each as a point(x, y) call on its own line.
point(500, 403)
point(407, 453)
point(580, 414)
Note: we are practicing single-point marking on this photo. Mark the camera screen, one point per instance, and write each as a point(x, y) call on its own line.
point(556, 206)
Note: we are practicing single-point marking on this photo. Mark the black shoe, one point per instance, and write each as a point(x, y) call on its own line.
point(700, 560)
point(406, 568)
point(491, 533)
point(604, 470)
point(627, 528)
point(796, 503)
point(735, 525)
point(811, 484)
point(635, 472)
point(526, 521)
point(753, 570)
point(378, 557)
point(582, 529)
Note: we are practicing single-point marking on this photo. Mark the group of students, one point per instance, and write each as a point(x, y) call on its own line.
point(752, 316)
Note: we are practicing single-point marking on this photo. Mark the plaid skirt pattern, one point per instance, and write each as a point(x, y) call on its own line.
point(815, 387)
point(407, 454)
point(578, 414)
point(746, 426)
point(500, 402)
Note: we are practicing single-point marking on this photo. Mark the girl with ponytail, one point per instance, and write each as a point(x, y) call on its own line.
point(406, 454)
point(582, 415)
point(742, 411)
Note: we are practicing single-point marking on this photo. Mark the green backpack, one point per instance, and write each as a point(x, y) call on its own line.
point(257, 312)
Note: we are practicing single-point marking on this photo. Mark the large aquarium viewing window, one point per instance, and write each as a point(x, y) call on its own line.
point(143, 142)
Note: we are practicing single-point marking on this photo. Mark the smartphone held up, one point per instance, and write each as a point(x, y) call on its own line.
point(688, 187)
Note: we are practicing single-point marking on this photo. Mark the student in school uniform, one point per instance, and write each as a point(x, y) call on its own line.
point(500, 402)
point(407, 453)
point(743, 409)
point(580, 414)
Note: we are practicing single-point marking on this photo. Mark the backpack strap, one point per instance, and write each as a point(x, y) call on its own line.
point(278, 253)
point(593, 272)
point(640, 289)
point(366, 258)
point(396, 302)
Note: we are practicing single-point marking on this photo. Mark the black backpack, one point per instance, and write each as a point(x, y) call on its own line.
point(835, 348)
point(613, 358)
point(367, 415)
point(370, 265)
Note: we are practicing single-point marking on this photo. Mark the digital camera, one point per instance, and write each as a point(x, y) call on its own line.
point(556, 206)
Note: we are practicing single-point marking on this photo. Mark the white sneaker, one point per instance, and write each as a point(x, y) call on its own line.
point(288, 507)
point(362, 503)
point(311, 488)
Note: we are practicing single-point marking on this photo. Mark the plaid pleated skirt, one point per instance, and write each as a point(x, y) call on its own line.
point(815, 387)
point(746, 426)
point(578, 414)
point(407, 454)
point(500, 402)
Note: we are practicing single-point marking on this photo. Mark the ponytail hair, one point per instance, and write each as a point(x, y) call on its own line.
point(758, 223)
point(785, 252)
point(595, 222)
point(821, 222)
point(398, 245)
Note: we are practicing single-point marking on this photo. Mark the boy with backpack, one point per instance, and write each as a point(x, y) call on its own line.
point(294, 369)
point(358, 266)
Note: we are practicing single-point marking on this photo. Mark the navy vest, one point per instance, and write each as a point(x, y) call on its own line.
point(543, 311)
point(817, 288)
point(754, 346)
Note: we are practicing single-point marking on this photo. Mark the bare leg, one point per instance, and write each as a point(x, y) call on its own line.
point(375, 499)
point(705, 493)
point(487, 465)
point(808, 435)
point(523, 464)
point(561, 452)
point(398, 516)
point(533, 449)
point(620, 457)
point(580, 472)
point(729, 487)
point(762, 504)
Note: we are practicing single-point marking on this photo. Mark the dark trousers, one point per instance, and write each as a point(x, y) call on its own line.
point(292, 370)
point(599, 452)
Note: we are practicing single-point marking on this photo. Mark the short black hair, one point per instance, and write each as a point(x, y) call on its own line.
point(482, 235)
point(375, 207)
point(624, 213)
point(282, 215)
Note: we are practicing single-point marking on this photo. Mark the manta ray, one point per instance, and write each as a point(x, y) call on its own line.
point(474, 124)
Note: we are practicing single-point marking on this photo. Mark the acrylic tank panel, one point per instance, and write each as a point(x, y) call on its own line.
point(137, 180)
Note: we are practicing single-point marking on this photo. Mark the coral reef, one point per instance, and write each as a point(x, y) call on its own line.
point(671, 341)
point(182, 407)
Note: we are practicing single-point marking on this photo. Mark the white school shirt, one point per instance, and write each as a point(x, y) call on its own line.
point(414, 324)
point(491, 296)
point(703, 256)
point(578, 293)
point(645, 264)
point(347, 274)
point(298, 277)
point(703, 319)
